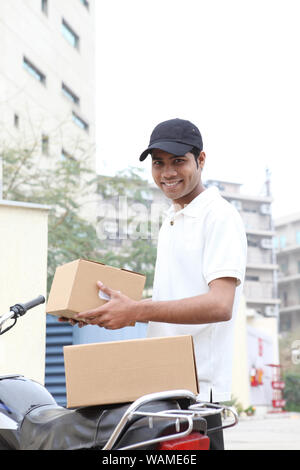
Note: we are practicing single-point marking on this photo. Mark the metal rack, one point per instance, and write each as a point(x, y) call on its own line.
point(195, 410)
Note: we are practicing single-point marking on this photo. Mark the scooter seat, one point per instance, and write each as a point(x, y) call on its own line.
point(51, 427)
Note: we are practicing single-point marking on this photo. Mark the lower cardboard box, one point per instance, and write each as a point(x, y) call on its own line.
point(122, 371)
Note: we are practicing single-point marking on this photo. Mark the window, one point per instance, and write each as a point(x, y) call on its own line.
point(252, 241)
point(285, 322)
point(45, 144)
point(16, 120)
point(283, 268)
point(284, 299)
point(70, 35)
point(44, 6)
point(85, 3)
point(66, 155)
point(80, 122)
point(252, 278)
point(282, 241)
point(34, 71)
point(298, 237)
point(298, 264)
point(70, 94)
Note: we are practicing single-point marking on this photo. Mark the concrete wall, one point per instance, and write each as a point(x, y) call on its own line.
point(241, 371)
point(23, 276)
point(270, 327)
point(240, 379)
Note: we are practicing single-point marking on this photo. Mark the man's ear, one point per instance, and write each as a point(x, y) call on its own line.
point(201, 159)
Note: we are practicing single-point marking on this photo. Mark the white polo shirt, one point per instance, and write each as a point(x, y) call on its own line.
point(203, 241)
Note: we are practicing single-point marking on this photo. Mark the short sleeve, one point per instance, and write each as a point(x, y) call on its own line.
point(225, 247)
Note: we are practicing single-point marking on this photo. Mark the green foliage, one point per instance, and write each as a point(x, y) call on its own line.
point(64, 187)
point(235, 404)
point(286, 342)
point(292, 391)
point(61, 187)
point(138, 254)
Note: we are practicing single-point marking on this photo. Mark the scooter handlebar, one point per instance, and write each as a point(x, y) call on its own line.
point(21, 309)
point(18, 310)
point(34, 303)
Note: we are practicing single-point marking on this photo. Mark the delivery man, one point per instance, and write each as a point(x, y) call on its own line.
point(200, 266)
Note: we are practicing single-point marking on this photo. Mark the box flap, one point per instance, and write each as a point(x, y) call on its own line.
point(61, 288)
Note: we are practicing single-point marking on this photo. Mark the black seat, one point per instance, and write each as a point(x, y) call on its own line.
point(51, 427)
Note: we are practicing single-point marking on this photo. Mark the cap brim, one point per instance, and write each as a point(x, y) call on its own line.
point(175, 148)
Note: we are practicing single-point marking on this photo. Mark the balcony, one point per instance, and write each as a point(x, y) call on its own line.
point(289, 248)
point(258, 259)
point(260, 293)
point(256, 222)
point(287, 277)
point(290, 307)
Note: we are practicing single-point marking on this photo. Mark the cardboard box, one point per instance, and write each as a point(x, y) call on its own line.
point(74, 286)
point(122, 371)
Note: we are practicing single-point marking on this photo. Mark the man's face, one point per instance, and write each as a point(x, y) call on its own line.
point(178, 177)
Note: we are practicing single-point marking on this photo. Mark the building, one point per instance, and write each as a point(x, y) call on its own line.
point(287, 243)
point(47, 78)
point(47, 87)
point(260, 288)
point(256, 337)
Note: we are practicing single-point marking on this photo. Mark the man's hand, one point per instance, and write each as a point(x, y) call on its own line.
point(72, 321)
point(116, 313)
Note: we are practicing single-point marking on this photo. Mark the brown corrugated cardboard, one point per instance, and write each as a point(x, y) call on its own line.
point(74, 286)
point(122, 371)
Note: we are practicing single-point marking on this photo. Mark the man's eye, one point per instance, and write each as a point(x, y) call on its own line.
point(179, 160)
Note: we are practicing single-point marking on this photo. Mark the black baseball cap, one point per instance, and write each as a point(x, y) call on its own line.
point(175, 136)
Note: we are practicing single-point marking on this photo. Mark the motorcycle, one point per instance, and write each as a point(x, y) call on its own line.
point(31, 419)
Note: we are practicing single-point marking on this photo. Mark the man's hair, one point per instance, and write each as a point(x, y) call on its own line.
point(196, 152)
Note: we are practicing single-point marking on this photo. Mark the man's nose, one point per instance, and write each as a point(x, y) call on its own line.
point(169, 172)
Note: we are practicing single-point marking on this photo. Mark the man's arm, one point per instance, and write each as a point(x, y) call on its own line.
point(214, 306)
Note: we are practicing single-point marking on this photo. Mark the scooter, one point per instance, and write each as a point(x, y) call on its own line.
point(30, 418)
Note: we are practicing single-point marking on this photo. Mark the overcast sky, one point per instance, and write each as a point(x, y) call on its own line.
point(230, 66)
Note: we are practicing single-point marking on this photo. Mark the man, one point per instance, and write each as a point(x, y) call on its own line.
point(200, 266)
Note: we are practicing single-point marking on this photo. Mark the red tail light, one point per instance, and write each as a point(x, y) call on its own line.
point(194, 441)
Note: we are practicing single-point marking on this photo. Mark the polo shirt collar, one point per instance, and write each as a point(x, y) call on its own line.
point(192, 209)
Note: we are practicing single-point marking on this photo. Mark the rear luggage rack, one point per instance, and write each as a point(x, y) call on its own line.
point(180, 417)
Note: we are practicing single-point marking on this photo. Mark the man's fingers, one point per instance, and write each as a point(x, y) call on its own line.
point(89, 315)
point(107, 290)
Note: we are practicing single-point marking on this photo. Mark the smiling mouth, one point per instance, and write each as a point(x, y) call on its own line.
point(171, 184)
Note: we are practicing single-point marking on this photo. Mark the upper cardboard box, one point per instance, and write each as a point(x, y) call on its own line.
point(74, 286)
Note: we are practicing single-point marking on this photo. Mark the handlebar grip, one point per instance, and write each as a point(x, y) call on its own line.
point(21, 309)
point(33, 303)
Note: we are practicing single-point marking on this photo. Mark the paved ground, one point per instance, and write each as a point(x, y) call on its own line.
point(268, 432)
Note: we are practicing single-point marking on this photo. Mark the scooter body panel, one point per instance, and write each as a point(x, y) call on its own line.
point(18, 395)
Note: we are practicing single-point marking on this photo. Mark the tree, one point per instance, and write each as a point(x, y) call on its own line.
point(65, 187)
point(137, 252)
point(61, 187)
point(289, 343)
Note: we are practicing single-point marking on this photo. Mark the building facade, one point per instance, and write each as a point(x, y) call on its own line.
point(287, 244)
point(47, 106)
point(260, 288)
point(256, 337)
point(47, 78)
